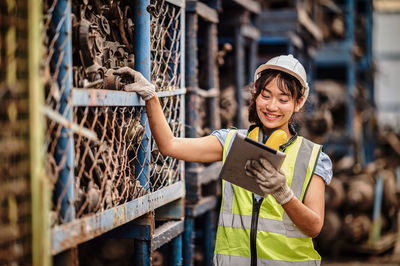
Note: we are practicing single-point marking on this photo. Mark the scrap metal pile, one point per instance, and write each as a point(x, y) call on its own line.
point(106, 163)
point(350, 198)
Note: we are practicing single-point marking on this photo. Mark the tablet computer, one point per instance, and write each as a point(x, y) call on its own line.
point(242, 149)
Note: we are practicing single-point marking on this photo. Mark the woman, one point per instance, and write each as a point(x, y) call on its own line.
point(275, 228)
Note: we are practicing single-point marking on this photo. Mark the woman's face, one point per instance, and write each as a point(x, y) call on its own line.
point(275, 108)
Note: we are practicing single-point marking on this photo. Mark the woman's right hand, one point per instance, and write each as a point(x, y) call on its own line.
point(141, 85)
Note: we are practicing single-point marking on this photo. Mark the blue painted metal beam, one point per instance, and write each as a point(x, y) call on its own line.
point(211, 68)
point(78, 231)
point(188, 236)
point(191, 62)
point(176, 244)
point(252, 59)
point(65, 147)
point(142, 48)
point(96, 97)
point(209, 237)
point(142, 253)
point(239, 74)
point(271, 40)
point(204, 205)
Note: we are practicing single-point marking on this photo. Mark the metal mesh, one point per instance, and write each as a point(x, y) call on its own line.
point(165, 36)
point(113, 159)
point(166, 56)
point(15, 207)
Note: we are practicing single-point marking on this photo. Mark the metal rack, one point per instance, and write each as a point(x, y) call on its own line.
point(202, 116)
point(338, 55)
point(105, 166)
point(289, 29)
point(238, 27)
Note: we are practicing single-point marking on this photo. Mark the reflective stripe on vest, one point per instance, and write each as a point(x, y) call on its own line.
point(274, 226)
point(222, 260)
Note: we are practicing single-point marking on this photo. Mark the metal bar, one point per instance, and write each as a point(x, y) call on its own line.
point(205, 12)
point(250, 32)
point(65, 147)
point(209, 237)
point(251, 5)
point(84, 229)
point(142, 253)
point(182, 73)
point(211, 51)
point(375, 232)
point(97, 97)
point(142, 46)
point(351, 84)
point(204, 175)
point(351, 75)
point(252, 59)
point(191, 78)
point(165, 233)
point(350, 21)
point(369, 142)
point(204, 205)
point(40, 185)
point(188, 236)
point(177, 250)
point(239, 74)
point(180, 3)
point(74, 127)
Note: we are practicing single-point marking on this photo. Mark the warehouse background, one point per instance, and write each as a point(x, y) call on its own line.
point(82, 181)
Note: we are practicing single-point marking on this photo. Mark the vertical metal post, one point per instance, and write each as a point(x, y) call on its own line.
point(142, 48)
point(239, 73)
point(191, 77)
point(188, 236)
point(375, 233)
point(253, 47)
point(368, 136)
point(176, 258)
point(351, 75)
point(65, 146)
point(142, 253)
point(40, 185)
point(212, 72)
point(209, 237)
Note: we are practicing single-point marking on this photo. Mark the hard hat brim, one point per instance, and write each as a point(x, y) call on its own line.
point(267, 66)
point(305, 88)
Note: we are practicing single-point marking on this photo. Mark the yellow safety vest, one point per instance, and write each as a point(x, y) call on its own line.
point(278, 240)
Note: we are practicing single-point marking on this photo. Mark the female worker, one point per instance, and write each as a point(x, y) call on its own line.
point(275, 228)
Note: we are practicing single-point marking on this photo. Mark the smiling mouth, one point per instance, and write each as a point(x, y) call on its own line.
point(271, 116)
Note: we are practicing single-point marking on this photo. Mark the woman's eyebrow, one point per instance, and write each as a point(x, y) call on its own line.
point(282, 92)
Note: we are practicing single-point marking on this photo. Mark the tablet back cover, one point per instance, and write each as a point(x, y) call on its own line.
point(243, 149)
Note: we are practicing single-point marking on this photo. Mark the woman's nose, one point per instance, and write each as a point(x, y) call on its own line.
point(272, 105)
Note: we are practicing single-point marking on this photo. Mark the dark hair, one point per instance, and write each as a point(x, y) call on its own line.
point(286, 83)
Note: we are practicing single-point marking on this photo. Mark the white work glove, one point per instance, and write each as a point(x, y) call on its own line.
point(141, 85)
point(271, 180)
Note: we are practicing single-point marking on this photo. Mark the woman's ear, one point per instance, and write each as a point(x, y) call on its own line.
point(298, 104)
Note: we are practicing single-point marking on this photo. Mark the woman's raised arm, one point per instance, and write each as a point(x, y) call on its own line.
point(205, 149)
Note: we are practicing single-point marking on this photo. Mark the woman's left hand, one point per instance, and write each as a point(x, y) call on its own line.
point(271, 180)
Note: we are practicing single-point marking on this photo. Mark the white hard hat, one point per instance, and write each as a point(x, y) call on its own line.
point(290, 65)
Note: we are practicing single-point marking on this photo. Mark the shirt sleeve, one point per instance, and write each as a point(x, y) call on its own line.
point(324, 168)
point(221, 134)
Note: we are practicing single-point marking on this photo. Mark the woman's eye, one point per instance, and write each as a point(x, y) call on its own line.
point(284, 100)
point(265, 96)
